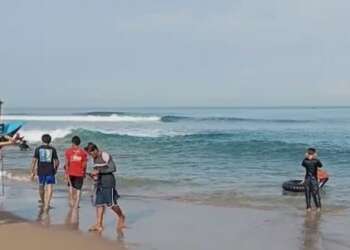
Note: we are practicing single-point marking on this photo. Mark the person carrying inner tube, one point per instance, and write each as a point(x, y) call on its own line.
point(311, 164)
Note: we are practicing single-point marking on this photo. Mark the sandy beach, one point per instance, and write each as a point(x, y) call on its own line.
point(165, 224)
point(17, 233)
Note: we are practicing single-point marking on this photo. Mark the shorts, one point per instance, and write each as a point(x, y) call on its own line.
point(76, 181)
point(105, 197)
point(46, 180)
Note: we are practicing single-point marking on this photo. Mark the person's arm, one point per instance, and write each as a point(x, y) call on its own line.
point(5, 143)
point(84, 164)
point(66, 162)
point(106, 168)
point(303, 164)
point(10, 140)
point(56, 162)
point(34, 166)
point(319, 164)
point(66, 166)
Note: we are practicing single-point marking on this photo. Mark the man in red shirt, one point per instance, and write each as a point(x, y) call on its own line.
point(75, 170)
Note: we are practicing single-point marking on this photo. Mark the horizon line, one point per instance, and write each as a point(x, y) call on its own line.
point(183, 107)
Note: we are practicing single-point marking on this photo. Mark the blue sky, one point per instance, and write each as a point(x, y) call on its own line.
point(174, 53)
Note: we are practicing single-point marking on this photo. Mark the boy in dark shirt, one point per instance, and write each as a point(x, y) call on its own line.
point(311, 165)
point(44, 165)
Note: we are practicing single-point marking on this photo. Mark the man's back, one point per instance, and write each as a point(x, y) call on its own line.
point(46, 155)
point(77, 158)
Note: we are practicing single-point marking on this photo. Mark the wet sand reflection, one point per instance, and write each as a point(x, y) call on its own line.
point(312, 235)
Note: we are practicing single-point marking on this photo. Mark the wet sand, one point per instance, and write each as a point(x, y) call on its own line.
point(16, 233)
point(171, 225)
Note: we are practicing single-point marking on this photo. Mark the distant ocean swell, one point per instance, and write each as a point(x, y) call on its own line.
point(230, 142)
point(129, 117)
point(228, 119)
point(235, 141)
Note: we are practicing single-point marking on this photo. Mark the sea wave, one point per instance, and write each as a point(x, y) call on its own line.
point(138, 117)
point(83, 118)
point(171, 118)
point(102, 113)
point(35, 134)
point(21, 176)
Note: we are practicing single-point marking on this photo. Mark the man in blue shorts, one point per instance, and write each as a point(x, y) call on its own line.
point(44, 165)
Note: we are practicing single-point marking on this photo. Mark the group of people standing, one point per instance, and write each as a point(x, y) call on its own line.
point(45, 164)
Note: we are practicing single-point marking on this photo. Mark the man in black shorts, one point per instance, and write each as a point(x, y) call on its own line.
point(75, 170)
point(106, 194)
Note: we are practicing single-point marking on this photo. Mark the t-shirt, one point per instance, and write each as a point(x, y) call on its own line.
point(77, 158)
point(311, 167)
point(106, 166)
point(45, 155)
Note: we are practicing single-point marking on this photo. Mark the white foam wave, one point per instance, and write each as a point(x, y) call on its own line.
point(152, 133)
point(35, 135)
point(80, 118)
point(15, 177)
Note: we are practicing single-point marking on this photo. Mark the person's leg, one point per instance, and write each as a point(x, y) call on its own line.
point(78, 185)
point(71, 191)
point(98, 227)
point(121, 217)
point(42, 193)
point(98, 202)
point(71, 196)
point(100, 215)
point(48, 196)
point(41, 189)
point(316, 194)
point(116, 208)
point(77, 198)
point(307, 195)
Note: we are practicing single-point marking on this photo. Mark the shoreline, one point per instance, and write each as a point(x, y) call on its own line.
point(155, 224)
point(172, 225)
point(18, 233)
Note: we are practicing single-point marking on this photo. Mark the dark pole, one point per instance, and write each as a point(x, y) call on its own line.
point(2, 160)
point(1, 102)
point(2, 173)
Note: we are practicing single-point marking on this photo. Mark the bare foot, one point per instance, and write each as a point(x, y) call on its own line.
point(308, 210)
point(96, 228)
point(120, 234)
point(121, 223)
point(318, 210)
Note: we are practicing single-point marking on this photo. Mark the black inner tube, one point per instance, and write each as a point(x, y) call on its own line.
point(297, 186)
point(294, 186)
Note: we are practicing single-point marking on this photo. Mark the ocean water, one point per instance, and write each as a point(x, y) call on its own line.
point(217, 156)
